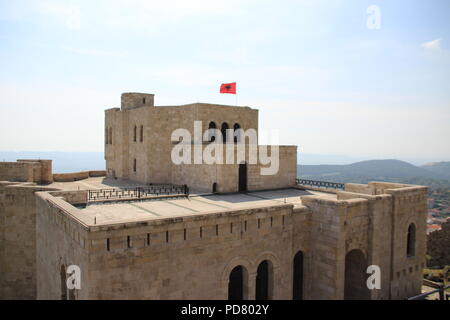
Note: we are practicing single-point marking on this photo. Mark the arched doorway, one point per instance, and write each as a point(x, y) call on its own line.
point(236, 283)
point(242, 177)
point(225, 127)
point(297, 285)
point(355, 287)
point(264, 281)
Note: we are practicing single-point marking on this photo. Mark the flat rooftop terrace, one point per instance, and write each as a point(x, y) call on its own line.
point(97, 214)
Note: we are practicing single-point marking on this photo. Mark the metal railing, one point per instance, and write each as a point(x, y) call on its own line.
point(321, 184)
point(137, 192)
point(439, 289)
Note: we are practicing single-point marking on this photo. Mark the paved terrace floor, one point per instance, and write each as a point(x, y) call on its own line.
point(96, 183)
point(123, 212)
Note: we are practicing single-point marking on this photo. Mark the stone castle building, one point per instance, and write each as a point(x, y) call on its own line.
point(146, 228)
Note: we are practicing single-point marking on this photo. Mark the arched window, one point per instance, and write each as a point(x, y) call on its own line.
point(297, 285)
point(237, 283)
point(212, 125)
point(225, 127)
point(110, 135)
point(141, 135)
point(264, 282)
point(236, 134)
point(411, 241)
point(134, 165)
point(135, 134)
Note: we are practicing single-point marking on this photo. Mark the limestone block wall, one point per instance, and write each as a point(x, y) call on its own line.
point(391, 210)
point(39, 171)
point(135, 100)
point(202, 176)
point(409, 207)
point(42, 170)
point(179, 258)
point(284, 178)
point(13, 171)
point(327, 248)
point(358, 188)
point(60, 242)
point(18, 240)
point(368, 228)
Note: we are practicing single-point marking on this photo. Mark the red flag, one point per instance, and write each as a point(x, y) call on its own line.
point(228, 88)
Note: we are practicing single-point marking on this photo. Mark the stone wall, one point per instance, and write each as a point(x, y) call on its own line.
point(75, 176)
point(18, 240)
point(61, 242)
point(39, 171)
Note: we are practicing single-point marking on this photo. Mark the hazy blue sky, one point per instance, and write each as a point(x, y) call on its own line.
point(314, 69)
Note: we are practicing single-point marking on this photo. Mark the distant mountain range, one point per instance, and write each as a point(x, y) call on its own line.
point(436, 175)
point(441, 168)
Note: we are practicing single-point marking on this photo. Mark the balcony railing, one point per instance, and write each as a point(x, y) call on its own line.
point(321, 184)
point(137, 192)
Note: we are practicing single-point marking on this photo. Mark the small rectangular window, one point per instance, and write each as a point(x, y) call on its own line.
point(107, 244)
point(129, 242)
point(148, 239)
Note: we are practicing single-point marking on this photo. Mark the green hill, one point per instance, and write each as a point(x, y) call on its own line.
point(377, 170)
